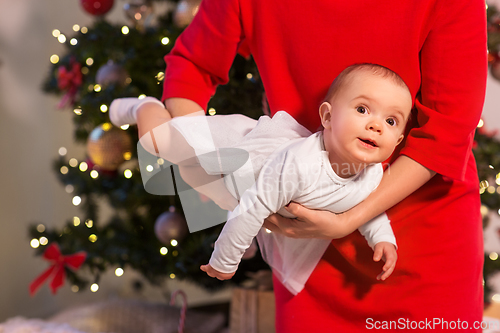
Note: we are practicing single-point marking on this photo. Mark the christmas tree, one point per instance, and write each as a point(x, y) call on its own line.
point(147, 233)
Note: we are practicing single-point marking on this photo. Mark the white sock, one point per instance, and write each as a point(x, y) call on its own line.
point(123, 111)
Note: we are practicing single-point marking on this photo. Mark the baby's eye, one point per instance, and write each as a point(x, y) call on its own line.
point(391, 121)
point(361, 109)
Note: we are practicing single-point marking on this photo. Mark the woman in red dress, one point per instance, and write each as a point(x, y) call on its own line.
point(439, 49)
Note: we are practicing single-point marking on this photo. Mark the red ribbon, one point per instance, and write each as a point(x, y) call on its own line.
point(57, 269)
point(69, 80)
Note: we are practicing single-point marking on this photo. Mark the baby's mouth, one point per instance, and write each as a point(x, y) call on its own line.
point(369, 142)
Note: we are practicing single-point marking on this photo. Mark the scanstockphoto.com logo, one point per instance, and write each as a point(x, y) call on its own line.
point(431, 324)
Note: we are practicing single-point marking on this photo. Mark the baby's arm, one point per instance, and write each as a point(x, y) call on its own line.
point(379, 235)
point(387, 252)
point(265, 197)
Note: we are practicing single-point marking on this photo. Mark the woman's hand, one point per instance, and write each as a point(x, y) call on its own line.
point(310, 223)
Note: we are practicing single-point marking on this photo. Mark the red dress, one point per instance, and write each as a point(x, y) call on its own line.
point(439, 49)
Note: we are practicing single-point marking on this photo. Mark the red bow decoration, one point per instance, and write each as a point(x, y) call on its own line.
point(57, 269)
point(69, 80)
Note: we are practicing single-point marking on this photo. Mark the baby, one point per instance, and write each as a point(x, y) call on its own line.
point(363, 115)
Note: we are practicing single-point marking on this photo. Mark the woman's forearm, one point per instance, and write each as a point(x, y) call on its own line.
point(401, 179)
point(177, 106)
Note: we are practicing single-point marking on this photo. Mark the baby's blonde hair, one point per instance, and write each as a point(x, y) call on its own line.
point(347, 74)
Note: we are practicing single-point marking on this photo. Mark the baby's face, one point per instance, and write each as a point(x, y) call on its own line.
point(368, 117)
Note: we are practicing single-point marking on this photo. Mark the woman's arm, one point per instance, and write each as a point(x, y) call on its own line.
point(323, 224)
point(177, 106)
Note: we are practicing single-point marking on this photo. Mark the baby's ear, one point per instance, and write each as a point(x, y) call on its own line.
point(325, 113)
point(401, 137)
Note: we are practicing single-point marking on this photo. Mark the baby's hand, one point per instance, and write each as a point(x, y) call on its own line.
point(212, 272)
point(387, 252)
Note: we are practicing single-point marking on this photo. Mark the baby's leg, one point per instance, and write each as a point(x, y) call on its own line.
point(210, 185)
point(156, 136)
point(162, 140)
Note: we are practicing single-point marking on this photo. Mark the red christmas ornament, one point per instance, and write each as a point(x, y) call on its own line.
point(97, 7)
point(57, 269)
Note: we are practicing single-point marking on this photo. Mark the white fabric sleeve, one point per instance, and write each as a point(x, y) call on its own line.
point(276, 185)
point(378, 230)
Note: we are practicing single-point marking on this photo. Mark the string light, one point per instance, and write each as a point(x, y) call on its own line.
point(94, 174)
point(63, 151)
point(76, 27)
point(85, 70)
point(84, 30)
point(74, 288)
point(493, 256)
point(69, 188)
point(73, 41)
point(125, 127)
point(173, 242)
point(172, 276)
point(40, 228)
point(127, 173)
point(119, 271)
point(268, 231)
point(104, 108)
point(480, 124)
point(61, 39)
point(141, 96)
point(161, 161)
point(78, 111)
point(127, 155)
point(97, 88)
point(56, 33)
point(93, 238)
point(175, 253)
point(89, 223)
point(44, 241)
point(149, 168)
point(89, 61)
point(160, 76)
point(94, 287)
point(83, 166)
point(125, 30)
point(54, 58)
point(34, 243)
point(249, 76)
point(165, 40)
point(163, 251)
point(64, 169)
point(76, 221)
point(73, 162)
point(76, 200)
point(212, 111)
